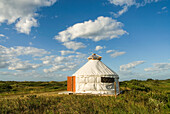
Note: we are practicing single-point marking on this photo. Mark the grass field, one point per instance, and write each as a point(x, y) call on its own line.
point(143, 97)
point(27, 87)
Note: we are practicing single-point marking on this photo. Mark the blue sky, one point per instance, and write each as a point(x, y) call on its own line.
point(46, 40)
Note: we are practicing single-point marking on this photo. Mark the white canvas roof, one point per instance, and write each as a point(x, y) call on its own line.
point(95, 67)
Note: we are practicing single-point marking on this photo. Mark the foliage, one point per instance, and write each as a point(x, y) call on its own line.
point(5, 87)
point(141, 97)
point(13, 87)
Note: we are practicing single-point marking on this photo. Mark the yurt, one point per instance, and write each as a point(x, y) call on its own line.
point(94, 78)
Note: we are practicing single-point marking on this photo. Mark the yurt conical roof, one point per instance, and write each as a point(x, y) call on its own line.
point(94, 67)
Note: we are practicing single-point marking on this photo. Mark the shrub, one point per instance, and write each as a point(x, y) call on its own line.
point(5, 87)
point(149, 79)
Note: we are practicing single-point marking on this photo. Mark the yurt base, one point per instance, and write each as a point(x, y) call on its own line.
point(73, 93)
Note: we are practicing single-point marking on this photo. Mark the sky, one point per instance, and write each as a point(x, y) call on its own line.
point(48, 40)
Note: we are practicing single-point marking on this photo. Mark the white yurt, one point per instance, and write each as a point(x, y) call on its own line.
point(94, 78)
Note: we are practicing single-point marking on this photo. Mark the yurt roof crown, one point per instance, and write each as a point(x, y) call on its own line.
point(95, 67)
point(94, 57)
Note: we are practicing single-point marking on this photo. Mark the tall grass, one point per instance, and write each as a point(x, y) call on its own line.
point(140, 97)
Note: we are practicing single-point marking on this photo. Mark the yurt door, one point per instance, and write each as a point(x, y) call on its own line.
point(71, 83)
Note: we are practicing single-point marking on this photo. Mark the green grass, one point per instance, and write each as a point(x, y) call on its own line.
point(14, 88)
point(140, 97)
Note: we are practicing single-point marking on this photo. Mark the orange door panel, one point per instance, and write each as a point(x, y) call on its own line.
point(74, 83)
point(71, 83)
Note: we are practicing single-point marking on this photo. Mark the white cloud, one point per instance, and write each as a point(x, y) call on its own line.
point(130, 65)
point(102, 28)
point(144, 2)
point(62, 63)
point(109, 51)
point(20, 50)
point(23, 66)
point(163, 10)
point(125, 4)
point(60, 59)
point(117, 53)
point(3, 62)
point(159, 67)
point(30, 43)
point(59, 68)
point(119, 13)
point(48, 59)
point(14, 61)
point(54, 68)
point(1, 35)
point(66, 52)
point(3, 38)
point(98, 48)
point(9, 57)
point(122, 2)
point(74, 45)
point(25, 24)
point(22, 12)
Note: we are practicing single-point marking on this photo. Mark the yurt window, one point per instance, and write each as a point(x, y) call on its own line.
point(107, 80)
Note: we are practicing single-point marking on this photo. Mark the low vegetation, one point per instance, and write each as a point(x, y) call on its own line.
point(27, 87)
point(145, 97)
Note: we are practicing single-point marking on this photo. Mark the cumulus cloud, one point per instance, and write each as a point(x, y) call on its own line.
point(122, 2)
point(60, 59)
point(125, 4)
point(24, 24)
point(22, 12)
point(54, 68)
point(9, 57)
point(130, 65)
point(62, 63)
point(23, 66)
point(14, 61)
point(100, 29)
point(59, 68)
point(98, 48)
point(66, 52)
point(117, 53)
point(3, 62)
point(103, 28)
point(20, 50)
point(47, 59)
point(74, 45)
point(159, 67)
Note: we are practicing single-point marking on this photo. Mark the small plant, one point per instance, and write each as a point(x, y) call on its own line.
point(32, 96)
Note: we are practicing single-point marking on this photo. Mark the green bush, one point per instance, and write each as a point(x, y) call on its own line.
point(5, 87)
